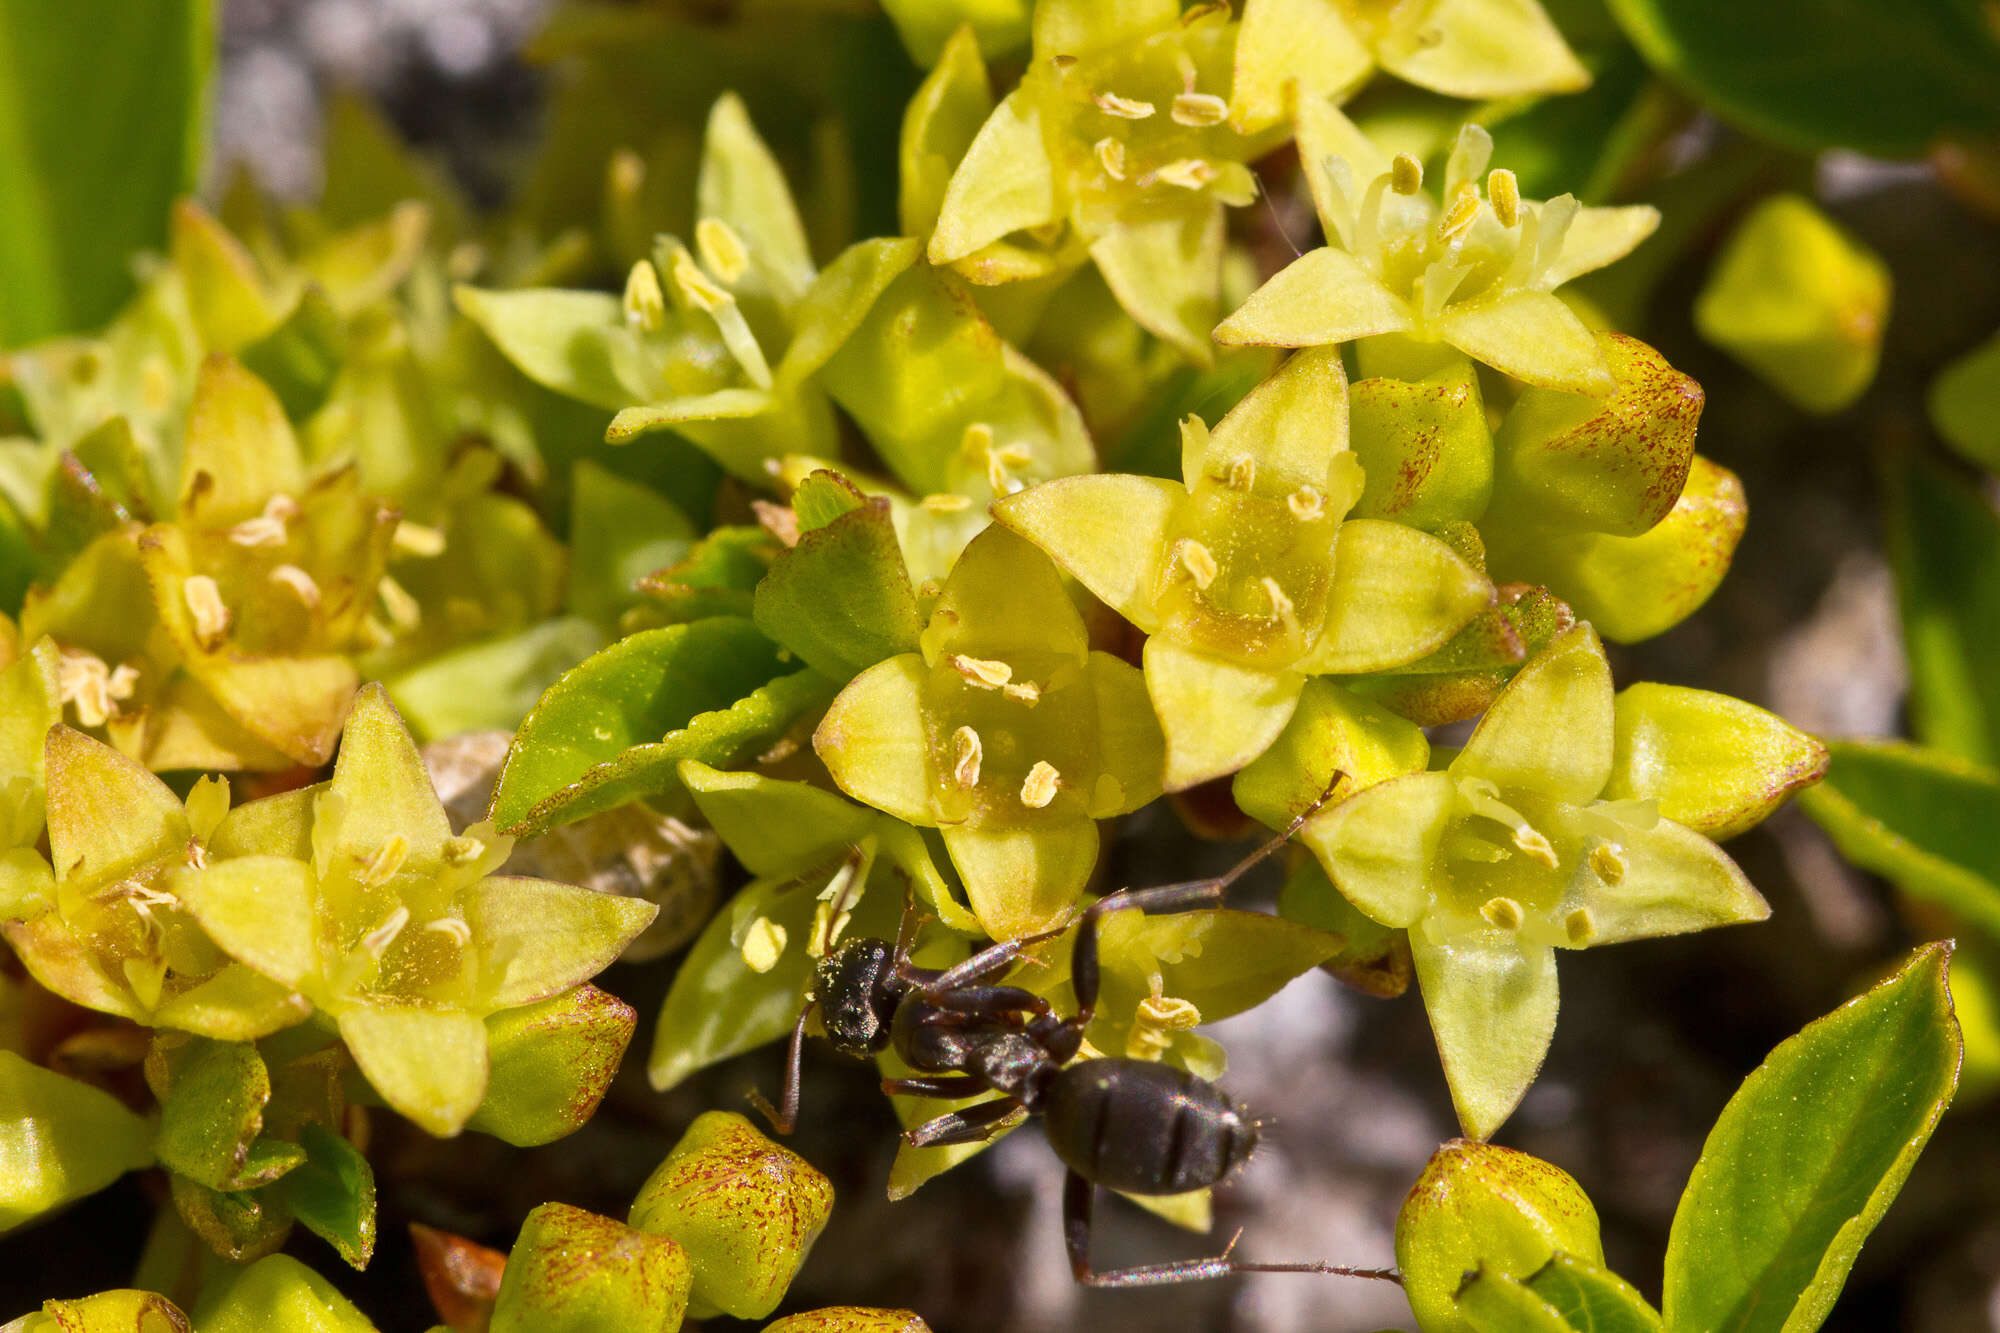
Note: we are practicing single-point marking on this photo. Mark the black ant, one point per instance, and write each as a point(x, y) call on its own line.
point(1132, 1125)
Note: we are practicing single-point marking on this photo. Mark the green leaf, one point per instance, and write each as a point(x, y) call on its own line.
point(1808, 1155)
point(211, 1114)
point(60, 1140)
point(1944, 540)
point(1926, 819)
point(1884, 79)
point(637, 693)
point(841, 599)
point(1495, 1303)
point(493, 684)
point(620, 531)
point(1964, 404)
point(1593, 1299)
point(101, 126)
point(332, 1193)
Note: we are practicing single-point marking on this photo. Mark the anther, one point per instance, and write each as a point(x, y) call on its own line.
point(722, 250)
point(1536, 846)
point(982, 671)
point(945, 503)
point(1199, 562)
point(763, 945)
point(1199, 110)
point(965, 755)
point(1189, 173)
point(1579, 926)
point(1606, 860)
point(1025, 691)
point(377, 941)
point(204, 603)
point(645, 304)
point(1464, 211)
point(1406, 174)
point(1306, 504)
point(403, 611)
point(1111, 156)
point(1039, 787)
point(300, 582)
point(1281, 605)
point(1504, 913)
point(461, 934)
point(380, 868)
point(1505, 193)
point(417, 539)
point(1243, 474)
point(268, 528)
point(701, 290)
point(1125, 108)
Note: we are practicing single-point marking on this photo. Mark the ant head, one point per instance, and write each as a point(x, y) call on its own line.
point(858, 992)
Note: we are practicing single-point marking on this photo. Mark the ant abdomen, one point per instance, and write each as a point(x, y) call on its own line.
point(1144, 1127)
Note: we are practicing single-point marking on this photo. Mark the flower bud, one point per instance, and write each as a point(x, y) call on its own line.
point(746, 1210)
point(850, 1319)
point(572, 1271)
point(1477, 1205)
point(551, 1064)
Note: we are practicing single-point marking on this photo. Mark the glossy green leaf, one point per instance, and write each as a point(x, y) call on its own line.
point(1809, 1154)
point(841, 599)
point(644, 688)
point(332, 1193)
point(1593, 1299)
point(1491, 1302)
point(60, 1139)
point(1927, 69)
point(85, 181)
point(1926, 819)
point(1944, 540)
point(620, 531)
point(211, 1113)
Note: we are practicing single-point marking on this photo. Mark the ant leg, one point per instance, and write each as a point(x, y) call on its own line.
point(994, 958)
point(985, 1001)
point(1078, 1195)
point(1167, 898)
point(784, 1117)
point(975, 1124)
point(948, 1086)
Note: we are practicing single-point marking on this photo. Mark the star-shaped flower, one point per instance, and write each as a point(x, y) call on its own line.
point(1246, 577)
point(1475, 271)
point(1512, 852)
point(357, 895)
point(1461, 48)
point(1006, 733)
point(1116, 143)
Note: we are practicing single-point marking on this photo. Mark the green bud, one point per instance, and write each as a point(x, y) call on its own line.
point(746, 1210)
point(1424, 446)
point(1799, 301)
point(1477, 1205)
point(106, 1312)
point(60, 1139)
point(550, 1065)
point(850, 1319)
point(1715, 764)
point(280, 1293)
point(572, 1271)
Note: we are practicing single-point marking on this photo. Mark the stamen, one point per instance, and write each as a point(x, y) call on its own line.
point(1125, 108)
point(300, 582)
point(1282, 607)
point(1579, 926)
point(1306, 503)
point(1001, 463)
point(1535, 845)
point(377, 941)
point(415, 539)
point(380, 868)
point(461, 934)
point(1039, 787)
point(722, 251)
point(982, 671)
point(204, 603)
point(1189, 173)
point(645, 304)
point(1458, 219)
point(1025, 691)
point(268, 528)
point(966, 751)
point(1502, 912)
point(84, 680)
point(1111, 156)
point(1243, 474)
point(763, 945)
point(1199, 562)
point(1199, 110)
point(1607, 861)
point(1406, 174)
point(945, 503)
point(403, 611)
point(1505, 193)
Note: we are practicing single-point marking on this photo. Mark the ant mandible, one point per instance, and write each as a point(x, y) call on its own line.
point(1132, 1125)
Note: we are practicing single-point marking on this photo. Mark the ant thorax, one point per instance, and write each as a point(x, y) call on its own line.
point(857, 992)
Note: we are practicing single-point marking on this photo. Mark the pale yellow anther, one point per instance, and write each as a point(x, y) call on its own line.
point(946, 503)
point(380, 868)
point(701, 290)
point(722, 251)
point(1406, 174)
point(1025, 691)
point(1001, 464)
point(1608, 861)
point(1125, 108)
point(627, 172)
point(402, 609)
point(1463, 212)
point(976, 441)
point(645, 304)
point(461, 851)
point(829, 924)
point(417, 539)
point(1505, 193)
point(1579, 926)
point(465, 261)
point(94, 688)
point(268, 528)
point(763, 945)
point(1169, 1012)
point(965, 755)
point(1243, 474)
point(204, 603)
point(1200, 110)
point(986, 672)
point(1503, 913)
point(1111, 157)
point(1306, 504)
point(301, 583)
point(461, 934)
point(1282, 607)
point(1536, 846)
point(377, 941)
point(1199, 562)
point(1039, 787)
point(1189, 173)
